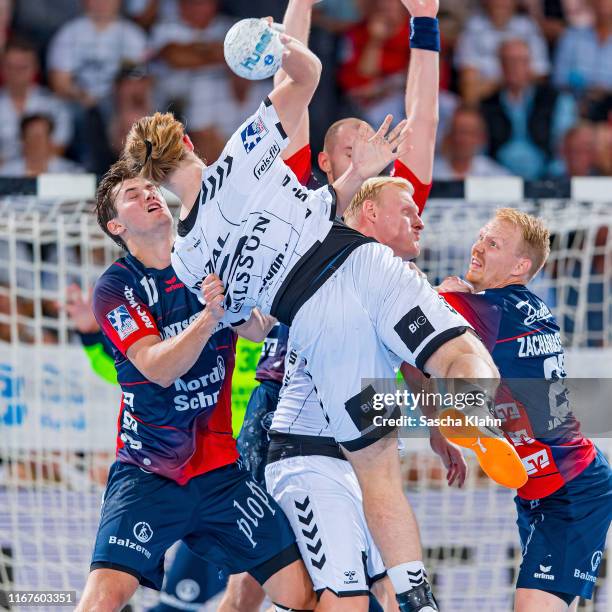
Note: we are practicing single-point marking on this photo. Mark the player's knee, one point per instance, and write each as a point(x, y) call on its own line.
point(102, 602)
point(527, 600)
point(383, 592)
point(291, 587)
point(243, 594)
point(107, 590)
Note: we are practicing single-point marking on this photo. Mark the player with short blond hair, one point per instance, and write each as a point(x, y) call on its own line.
point(565, 507)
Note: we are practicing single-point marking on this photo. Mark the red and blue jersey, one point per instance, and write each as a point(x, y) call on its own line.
point(533, 403)
point(185, 429)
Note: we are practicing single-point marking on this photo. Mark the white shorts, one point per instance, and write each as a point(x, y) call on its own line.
point(322, 500)
point(373, 313)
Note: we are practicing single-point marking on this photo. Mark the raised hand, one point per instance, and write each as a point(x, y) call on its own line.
point(373, 154)
point(422, 8)
point(79, 310)
point(213, 293)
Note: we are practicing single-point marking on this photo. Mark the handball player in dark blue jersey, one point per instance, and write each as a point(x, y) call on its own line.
point(177, 475)
point(565, 507)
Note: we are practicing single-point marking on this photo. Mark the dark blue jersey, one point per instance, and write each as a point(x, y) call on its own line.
point(185, 429)
point(533, 403)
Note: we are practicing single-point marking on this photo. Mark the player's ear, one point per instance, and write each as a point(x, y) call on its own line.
point(115, 227)
point(368, 210)
point(187, 142)
point(324, 162)
point(522, 267)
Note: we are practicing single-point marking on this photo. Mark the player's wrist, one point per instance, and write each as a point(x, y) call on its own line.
point(207, 322)
point(425, 33)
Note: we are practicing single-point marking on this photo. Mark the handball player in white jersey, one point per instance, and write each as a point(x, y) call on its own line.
point(306, 471)
point(276, 246)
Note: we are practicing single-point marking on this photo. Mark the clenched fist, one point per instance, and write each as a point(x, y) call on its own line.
point(213, 293)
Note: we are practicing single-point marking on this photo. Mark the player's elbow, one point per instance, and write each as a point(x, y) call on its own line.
point(156, 375)
point(164, 382)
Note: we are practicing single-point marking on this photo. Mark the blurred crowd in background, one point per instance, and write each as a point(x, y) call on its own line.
point(526, 85)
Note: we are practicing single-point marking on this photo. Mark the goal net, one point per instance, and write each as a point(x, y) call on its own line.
point(58, 419)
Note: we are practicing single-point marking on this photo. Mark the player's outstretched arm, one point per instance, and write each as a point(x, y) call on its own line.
point(163, 361)
point(292, 97)
point(296, 22)
point(422, 89)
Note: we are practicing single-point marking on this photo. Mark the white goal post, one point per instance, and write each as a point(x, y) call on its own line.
point(58, 419)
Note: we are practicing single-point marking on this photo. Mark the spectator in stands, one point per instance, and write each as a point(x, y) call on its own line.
point(21, 95)
point(87, 52)
point(241, 9)
point(550, 17)
point(6, 14)
point(583, 62)
point(525, 119)
point(38, 21)
point(461, 154)
point(603, 133)
point(337, 17)
point(476, 55)
point(133, 99)
point(194, 77)
point(39, 154)
point(374, 60)
point(578, 153)
point(146, 13)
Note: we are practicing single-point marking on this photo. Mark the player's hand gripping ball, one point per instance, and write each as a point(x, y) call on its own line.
point(253, 49)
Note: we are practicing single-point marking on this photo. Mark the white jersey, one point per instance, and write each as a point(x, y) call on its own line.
point(252, 221)
point(299, 410)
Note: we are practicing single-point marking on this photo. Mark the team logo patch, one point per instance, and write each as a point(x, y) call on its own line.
point(187, 589)
point(143, 532)
point(221, 366)
point(536, 462)
point(349, 577)
point(252, 134)
point(265, 163)
point(266, 422)
point(122, 322)
point(596, 560)
point(413, 328)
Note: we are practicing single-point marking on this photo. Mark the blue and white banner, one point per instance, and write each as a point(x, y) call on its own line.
point(51, 400)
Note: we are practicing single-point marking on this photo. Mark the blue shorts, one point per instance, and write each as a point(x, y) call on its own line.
point(563, 535)
point(224, 516)
point(253, 440)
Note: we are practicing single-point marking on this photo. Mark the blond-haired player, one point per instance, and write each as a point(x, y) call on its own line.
point(565, 507)
point(308, 474)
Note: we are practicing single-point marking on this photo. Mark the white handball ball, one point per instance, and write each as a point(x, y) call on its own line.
point(253, 49)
